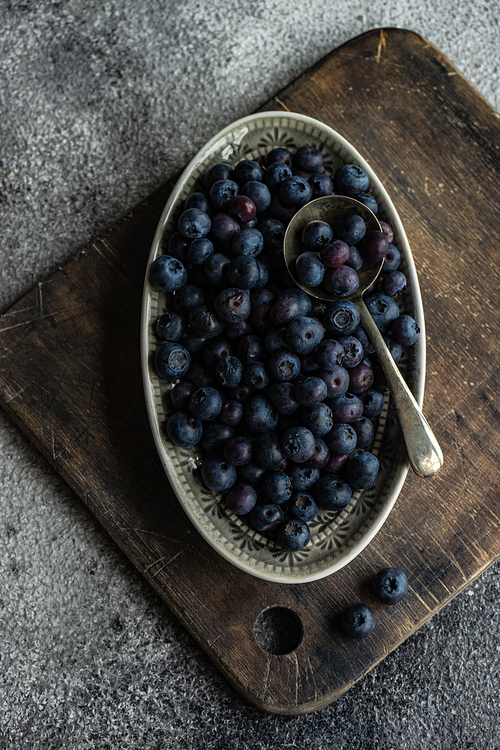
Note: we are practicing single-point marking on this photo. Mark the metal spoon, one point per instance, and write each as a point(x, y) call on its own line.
point(424, 454)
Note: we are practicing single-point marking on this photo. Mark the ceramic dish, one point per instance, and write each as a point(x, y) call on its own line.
point(336, 537)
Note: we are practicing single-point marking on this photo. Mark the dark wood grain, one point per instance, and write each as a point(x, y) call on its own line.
point(71, 379)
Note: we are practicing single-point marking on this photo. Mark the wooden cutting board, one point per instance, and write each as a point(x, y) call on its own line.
point(71, 379)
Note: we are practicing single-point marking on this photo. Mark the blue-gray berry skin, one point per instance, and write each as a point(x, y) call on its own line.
point(383, 309)
point(293, 535)
point(341, 317)
point(302, 505)
point(184, 430)
point(390, 585)
point(172, 361)
point(217, 474)
point(266, 517)
point(361, 470)
point(260, 415)
point(357, 621)
point(332, 493)
point(167, 274)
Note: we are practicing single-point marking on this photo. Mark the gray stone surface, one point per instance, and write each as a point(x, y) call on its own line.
point(100, 103)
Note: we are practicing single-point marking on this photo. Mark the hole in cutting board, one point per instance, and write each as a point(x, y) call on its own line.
point(278, 630)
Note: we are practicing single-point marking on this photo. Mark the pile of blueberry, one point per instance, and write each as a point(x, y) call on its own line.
point(278, 390)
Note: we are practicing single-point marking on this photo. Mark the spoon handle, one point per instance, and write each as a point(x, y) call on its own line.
point(424, 453)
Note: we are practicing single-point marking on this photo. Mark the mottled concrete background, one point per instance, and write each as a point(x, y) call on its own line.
point(100, 103)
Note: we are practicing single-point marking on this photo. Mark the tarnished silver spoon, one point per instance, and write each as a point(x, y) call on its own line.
point(424, 454)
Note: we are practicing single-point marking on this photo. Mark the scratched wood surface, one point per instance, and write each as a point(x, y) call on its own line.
point(71, 379)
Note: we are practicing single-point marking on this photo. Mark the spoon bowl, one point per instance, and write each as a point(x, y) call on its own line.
point(424, 453)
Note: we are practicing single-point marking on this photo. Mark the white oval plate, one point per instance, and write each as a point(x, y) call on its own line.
point(336, 538)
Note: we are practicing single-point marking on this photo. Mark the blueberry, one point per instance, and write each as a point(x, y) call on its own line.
point(342, 281)
point(336, 379)
point(178, 246)
point(247, 170)
point(232, 305)
point(276, 487)
point(228, 371)
point(275, 341)
point(329, 353)
point(251, 473)
point(217, 474)
point(187, 297)
point(276, 173)
point(273, 233)
point(255, 375)
point(283, 366)
point(249, 349)
point(355, 259)
point(283, 397)
point(244, 272)
point(373, 403)
point(267, 451)
point(393, 284)
point(316, 234)
point(364, 429)
point(199, 250)
point(231, 412)
point(180, 395)
point(240, 499)
point(215, 349)
point(260, 415)
point(390, 585)
point(303, 477)
point(346, 408)
point(368, 201)
point(341, 439)
point(304, 334)
point(205, 322)
point(200, 201)
point(350, 230)
point(205, 404)
point(284, 310)
point(405, 330)
point(321, 455)
point(336, 462)
point(310, 391)
point(341, 317)
point(361, 378)
point(332, 493)
point(280, 210)
point(184, 430)
point(298, 444)
point(303, 506)
point(357, 621)
point(215, 435)
point(215, 269)
point(280, 155)
point(374, 245)
point(234, 331)
point(199, 375)
point(194, 223)
point(321, 184)
point(238, 450)
point(243, 209)
point(318, 418)
point(172, 361)
point(293, 535)
point(222, 171)
point(309, 269)
point(247, 242)
point(167, 274)
point(266, 517)
point(302, 298)
point(170, 326)
point(295, 192)
point(258, 193)
point(383, 309)
point(308, 159)
point(367, 345)
point(222, 193)
point(361, 470)
point(335, 253)
point(350, 179)
point(261, 317)
point(392, 259)
point(353, 351)
point(224, 228)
